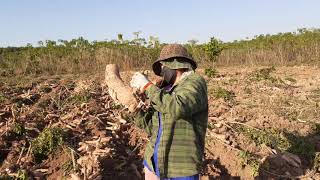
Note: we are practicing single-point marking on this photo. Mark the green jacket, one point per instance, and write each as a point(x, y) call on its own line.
point(184, 117)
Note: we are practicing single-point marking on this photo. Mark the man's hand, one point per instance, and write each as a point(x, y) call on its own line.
point(139, 81)
point(158, 81)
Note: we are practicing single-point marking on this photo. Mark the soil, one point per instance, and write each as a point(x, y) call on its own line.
point(100, 144)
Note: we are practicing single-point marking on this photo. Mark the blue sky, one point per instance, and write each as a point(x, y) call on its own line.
point(28, 21)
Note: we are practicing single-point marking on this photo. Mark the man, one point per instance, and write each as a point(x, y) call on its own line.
point(178, 117)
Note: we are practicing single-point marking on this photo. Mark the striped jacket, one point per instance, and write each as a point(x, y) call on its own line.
point(176, 124)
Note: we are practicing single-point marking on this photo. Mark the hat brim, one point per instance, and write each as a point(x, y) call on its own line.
point(156, 66)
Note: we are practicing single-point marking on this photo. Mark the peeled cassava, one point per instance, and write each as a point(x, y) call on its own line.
point(118, 90)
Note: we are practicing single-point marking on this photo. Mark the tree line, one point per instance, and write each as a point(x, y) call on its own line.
point(80, 55)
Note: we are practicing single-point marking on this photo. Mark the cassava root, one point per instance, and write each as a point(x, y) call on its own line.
point(118, 90)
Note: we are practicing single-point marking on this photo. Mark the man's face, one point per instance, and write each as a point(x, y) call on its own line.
point(169, 75)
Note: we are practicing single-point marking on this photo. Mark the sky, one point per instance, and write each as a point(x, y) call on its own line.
point(172, 21)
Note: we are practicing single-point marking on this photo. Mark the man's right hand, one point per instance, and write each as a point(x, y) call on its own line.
point(138, 81)
point(158, 81)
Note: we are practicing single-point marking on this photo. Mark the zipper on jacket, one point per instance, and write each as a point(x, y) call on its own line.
point(156, 148)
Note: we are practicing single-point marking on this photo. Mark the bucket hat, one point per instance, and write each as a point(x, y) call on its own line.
point(172, 52)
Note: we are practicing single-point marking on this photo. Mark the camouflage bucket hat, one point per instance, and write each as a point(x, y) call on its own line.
point(171, 52)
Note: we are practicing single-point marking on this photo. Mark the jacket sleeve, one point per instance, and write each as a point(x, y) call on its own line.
point(143, 119)
point(189, 98)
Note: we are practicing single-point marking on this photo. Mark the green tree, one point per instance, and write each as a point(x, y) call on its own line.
point(192, 42)
point(137, 40)
point(120, 38)
point(213, 49)
point(153, 42)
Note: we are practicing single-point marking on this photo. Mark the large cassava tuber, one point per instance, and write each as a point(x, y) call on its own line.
point(118, 90)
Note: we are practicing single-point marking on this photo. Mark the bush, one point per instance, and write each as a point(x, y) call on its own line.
point(211, 72)
point(213, 49)
point(263, 74)
point(2, 98)
point(290, 79)
point(19, 129)
point(316, 162)
point(248, 158)
point(282, 140)
point(49, 140)
point(224, 94)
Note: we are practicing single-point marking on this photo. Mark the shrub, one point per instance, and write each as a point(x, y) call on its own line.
point(49, 140)
point(210, 72)
point(213, 49)
point(290, 79)
point(282, 140)
point(2, 98)
point(248, 158)
point(19, 129)
point(224, 94)
point(316, 162)
point(263, 74)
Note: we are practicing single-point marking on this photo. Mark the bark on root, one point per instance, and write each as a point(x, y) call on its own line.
point(118, 90)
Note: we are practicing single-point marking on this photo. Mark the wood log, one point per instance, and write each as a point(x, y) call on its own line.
point(118, 90)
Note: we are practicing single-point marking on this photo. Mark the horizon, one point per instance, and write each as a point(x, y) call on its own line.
point(108, 40)
point(32, 21)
